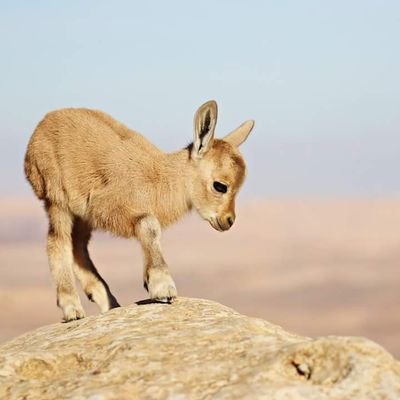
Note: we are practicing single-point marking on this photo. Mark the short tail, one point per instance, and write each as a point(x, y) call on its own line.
point(34, 177)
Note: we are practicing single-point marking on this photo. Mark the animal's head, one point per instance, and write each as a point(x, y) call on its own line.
point(218, 168)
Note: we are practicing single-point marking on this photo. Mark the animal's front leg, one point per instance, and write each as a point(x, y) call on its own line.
point(157, 279)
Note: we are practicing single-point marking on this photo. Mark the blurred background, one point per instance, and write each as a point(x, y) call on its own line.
point(316, 245)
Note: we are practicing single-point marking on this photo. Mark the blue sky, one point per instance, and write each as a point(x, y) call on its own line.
point(320, 78)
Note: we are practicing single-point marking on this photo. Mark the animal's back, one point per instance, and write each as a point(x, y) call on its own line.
point(74, 152)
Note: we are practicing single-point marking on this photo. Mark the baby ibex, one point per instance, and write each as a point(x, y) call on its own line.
point(92, 172)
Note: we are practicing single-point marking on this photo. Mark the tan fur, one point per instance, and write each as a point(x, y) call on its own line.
point(92, 172)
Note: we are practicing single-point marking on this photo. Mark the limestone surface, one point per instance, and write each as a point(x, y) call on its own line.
point(191, 349)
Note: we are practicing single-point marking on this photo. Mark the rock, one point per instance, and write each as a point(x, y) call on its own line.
point(192, 349)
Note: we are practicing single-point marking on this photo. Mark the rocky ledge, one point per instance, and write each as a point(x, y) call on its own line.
point(192, 349)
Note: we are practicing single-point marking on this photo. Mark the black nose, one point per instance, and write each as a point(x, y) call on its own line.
point(230, 221)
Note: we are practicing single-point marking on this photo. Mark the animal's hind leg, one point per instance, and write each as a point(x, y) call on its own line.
point(93, 284)
point(59, 250)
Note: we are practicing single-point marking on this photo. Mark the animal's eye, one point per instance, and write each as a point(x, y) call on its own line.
point(220, 187)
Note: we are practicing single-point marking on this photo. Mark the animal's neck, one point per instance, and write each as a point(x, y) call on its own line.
point(173, 192)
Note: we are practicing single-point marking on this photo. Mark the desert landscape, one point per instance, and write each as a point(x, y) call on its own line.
point(315, 267)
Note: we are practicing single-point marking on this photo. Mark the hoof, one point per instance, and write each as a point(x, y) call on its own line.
point(161, 286)
point(72, 313)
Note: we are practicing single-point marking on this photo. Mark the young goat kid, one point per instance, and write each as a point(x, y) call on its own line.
point(92, 172)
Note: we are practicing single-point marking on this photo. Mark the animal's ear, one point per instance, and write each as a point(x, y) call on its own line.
point(239, 135)
point(204, 126)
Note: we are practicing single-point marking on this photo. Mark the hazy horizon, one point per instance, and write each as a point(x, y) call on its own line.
point(320, 79)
